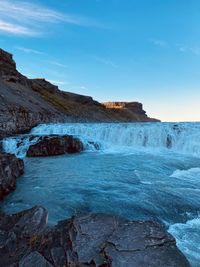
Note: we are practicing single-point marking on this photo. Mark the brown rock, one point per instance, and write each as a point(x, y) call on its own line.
point(10, 168)
point(55, 145)
point(85, 240)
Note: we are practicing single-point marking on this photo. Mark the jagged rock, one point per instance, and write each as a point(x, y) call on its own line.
point(31, 222)
point(8, 71)
point(85, 240)
point(10, 168)
point(34, 259)
point(142, 244)
point(55, 145)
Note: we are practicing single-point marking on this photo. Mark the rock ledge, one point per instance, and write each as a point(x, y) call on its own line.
point(85, 240)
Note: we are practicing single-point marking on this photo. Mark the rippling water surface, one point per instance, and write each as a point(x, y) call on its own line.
point(142, 171)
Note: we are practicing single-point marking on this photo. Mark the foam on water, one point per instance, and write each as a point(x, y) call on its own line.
point(19, 145)
point(123, 137)
point(192, 174)
point(187, 237)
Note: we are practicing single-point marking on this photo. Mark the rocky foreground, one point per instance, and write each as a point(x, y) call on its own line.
point(10, 169)
point(25, 103)
point(85, 240)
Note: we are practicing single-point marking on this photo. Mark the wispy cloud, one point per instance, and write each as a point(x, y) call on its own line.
point(25, 18)
point(191, 49)
point(106, 61)
point(15, 29)
point(158, 42)
point(58, 64)
point(29, 50)
point(83, 87)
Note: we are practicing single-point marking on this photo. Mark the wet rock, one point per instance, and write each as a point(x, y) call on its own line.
point(94, 240)
point(58, 256)
point(31, 222)
point(91, 233)
point(143, 244)
point(169, 141)
point(95, 145)
point(10, 169)
point(55, 145)
point(34, 259)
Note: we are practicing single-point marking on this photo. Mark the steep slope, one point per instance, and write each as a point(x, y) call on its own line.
point(25, 103)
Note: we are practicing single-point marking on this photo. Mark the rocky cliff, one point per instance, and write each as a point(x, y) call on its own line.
point(24, 103)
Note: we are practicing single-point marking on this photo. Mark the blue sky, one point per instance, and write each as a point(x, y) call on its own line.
point(113, 50)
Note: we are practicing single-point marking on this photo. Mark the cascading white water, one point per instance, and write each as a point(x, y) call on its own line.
point(19, 145)
point(178, 137)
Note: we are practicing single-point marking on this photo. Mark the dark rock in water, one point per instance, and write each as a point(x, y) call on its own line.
point(85, 240)
point(10, 168)
point(169, 141)
point(95, 145)
point(55, 145)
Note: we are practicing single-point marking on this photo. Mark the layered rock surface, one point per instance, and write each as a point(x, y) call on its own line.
point(10, 169)
point(55, 145)
point(85, 240)
point(24, 103)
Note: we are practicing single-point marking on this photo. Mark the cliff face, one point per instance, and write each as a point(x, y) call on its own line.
point(130, 111)
point(24, 103)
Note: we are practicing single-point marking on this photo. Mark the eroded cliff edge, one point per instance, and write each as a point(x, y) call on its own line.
point(24, 103)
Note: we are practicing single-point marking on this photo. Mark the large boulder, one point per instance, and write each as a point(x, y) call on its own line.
point(55, 145)
point(10, 169)
point(94, 240)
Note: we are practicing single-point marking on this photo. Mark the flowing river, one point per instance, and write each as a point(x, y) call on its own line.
point(135, 170)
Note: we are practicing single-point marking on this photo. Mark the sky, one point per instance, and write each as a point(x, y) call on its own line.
point(112, 50)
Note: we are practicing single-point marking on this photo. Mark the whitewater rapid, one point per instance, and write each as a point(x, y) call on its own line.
point(118, 137)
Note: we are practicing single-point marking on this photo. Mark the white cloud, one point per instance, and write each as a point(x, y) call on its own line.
point(83, 87)
point(15, 29)
point(58, 64)
point(25, 18)
point(29, 50)
point(106, 61)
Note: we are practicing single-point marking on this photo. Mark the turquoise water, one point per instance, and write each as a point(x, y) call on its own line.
point(136, 174)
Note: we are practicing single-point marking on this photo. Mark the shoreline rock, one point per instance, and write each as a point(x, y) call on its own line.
point(85, 240)
point(54, 145)
point(10, 169)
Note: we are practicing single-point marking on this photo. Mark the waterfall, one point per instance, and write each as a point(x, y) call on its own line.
point(177, 137)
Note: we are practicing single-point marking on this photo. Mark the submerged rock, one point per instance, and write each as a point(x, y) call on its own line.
point(85, 240)
point(55, 145)
point(10, 169)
